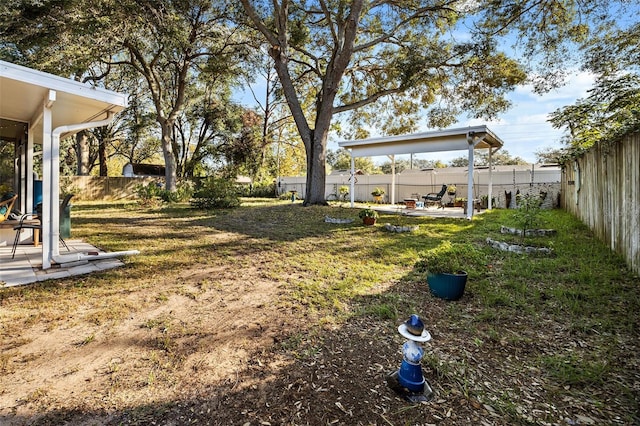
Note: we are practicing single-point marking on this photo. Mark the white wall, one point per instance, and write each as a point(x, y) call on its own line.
point(527, 178)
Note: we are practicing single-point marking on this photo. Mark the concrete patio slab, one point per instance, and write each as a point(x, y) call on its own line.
point(432, 211)
point(26, 267)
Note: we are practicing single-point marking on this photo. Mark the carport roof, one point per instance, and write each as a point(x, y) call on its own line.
point(23, 92)
point(434, 141)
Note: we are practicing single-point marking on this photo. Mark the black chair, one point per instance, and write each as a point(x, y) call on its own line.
point(31, 221)
point(435, 198)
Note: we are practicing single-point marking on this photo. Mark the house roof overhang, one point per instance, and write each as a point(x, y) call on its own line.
point(50, 108)
point(23, 91)
point(435, 141)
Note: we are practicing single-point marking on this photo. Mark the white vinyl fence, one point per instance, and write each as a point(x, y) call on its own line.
point(416, 183)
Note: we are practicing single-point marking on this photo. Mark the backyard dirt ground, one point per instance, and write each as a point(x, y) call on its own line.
point(211, 344)
point(237, 368)
point(233, 355)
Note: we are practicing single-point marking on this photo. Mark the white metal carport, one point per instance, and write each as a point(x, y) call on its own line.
point(467, 138)
point(41, 108)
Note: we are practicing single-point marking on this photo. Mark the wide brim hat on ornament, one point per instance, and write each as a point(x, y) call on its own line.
point(413, 329)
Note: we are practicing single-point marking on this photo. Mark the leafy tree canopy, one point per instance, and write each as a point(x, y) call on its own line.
point(379, 62)
point(611, 110)
point(404, 164)
point(500, 158)
point(553, 37)
point(550, 155)
point(341, 160)
point(170, 45)
point(612, 107)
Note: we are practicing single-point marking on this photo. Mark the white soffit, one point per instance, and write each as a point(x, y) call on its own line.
point(23, 92)
point(435, 141)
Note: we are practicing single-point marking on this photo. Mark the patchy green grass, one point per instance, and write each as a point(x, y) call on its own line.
point(533, 335)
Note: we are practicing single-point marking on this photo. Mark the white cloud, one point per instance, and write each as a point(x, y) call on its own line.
point(524, 128)
point(576, 86)
point(528, 130)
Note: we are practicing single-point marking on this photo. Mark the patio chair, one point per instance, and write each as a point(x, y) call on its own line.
point(435, 197)
point(6, 206)
point(31, 221)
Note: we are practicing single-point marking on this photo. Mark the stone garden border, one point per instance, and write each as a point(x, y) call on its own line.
point(528, 232)
point(516, 248)
point(398, 228)
point(328, 219)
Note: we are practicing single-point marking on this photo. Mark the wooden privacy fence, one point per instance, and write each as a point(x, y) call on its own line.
point(602, 188)
point(94, 188)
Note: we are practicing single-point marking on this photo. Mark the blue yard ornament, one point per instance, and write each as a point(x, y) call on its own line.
point(409, 380)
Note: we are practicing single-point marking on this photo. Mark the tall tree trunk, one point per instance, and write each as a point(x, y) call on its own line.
point(316, 169)
point(171, 177)
point(315, 140)
point(82, 153)
point(102, 155)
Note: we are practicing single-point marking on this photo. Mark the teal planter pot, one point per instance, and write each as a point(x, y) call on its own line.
point(447, 286)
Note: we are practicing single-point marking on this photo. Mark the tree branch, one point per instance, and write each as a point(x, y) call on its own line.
point(420, 13)
point(368, 100)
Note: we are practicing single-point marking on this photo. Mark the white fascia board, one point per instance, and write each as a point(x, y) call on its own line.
point(435, 141)
point(441, 145)
point(60, 84)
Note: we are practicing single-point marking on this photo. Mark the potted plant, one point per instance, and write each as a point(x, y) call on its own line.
point(451, 190)
point(377, 194)
point(484, 202)
point(459, 202)
point(446, 267)
point(368, 216)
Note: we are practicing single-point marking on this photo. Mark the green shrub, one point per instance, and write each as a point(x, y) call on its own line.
point(528, 212)
point(149, 195)
point(153, 194)
point(184, 191)
point(261, 190)
point(216, 193)
point(287, 196)
point(344, 192)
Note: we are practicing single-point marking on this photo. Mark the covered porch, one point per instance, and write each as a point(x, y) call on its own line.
point(467, 138)
point(37, 110)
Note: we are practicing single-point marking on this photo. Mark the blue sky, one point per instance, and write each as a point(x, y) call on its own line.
point(524, 127)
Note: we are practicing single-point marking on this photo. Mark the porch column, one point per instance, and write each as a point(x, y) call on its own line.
point(393, 179)
point(28, 169)
point(48, 186)
point(353, 180)
point(470, 178)
point(490, 194)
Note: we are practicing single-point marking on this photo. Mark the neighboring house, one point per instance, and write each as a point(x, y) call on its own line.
point(143, 170)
